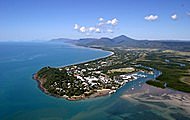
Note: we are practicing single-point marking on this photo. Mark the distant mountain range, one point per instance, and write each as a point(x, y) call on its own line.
point(126, 42)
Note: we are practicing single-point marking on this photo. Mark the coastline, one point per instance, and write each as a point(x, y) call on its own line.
point(99, 93)
point(81, 97)
point(90, 60)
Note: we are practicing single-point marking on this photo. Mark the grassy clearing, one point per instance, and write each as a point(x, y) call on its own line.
point(123, 70)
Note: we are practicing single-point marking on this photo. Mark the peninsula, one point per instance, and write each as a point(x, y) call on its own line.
point(105, 76)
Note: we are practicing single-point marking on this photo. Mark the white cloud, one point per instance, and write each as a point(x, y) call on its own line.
point(103, 26)
point(101, 19)
point(174, 17)
point(82, 29)
point(91, 29)
point(108, 22)
point(76, 26)
point(151, 17)
point(98, 30)
point(113, 21)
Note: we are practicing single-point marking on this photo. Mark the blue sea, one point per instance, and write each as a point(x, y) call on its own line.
point(21, 99)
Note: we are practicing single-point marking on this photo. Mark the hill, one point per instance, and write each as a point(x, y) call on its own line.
point(127, 42)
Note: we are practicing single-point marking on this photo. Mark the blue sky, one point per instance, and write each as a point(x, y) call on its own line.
point(139, 19)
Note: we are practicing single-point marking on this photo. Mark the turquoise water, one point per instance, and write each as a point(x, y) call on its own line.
point(20, 98)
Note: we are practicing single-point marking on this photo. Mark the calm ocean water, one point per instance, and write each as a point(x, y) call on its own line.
point(20, 98)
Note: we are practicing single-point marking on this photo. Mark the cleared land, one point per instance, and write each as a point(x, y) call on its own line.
point(126, 70)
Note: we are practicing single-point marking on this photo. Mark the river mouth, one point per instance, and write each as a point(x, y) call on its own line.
point(154, 99)
point(157, 100)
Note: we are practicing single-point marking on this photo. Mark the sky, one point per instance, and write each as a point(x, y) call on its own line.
point(140, 19)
